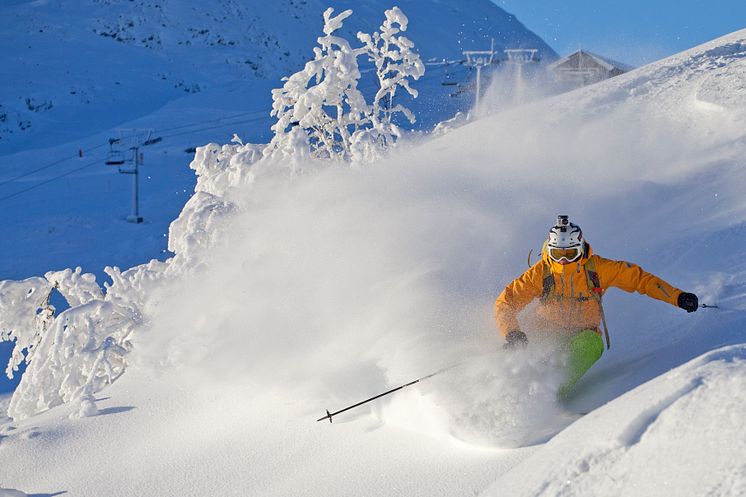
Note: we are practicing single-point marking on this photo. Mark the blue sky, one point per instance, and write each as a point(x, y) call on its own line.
point(633, 31)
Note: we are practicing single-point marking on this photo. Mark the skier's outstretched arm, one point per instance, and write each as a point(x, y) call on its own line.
point(632, 278)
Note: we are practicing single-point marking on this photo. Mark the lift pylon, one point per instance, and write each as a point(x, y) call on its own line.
point(124, 152)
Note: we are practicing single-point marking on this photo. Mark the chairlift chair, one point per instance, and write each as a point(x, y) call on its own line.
point(449, 79)
point(115, 158)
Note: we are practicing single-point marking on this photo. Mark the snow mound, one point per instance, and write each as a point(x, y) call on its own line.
point(679, 434)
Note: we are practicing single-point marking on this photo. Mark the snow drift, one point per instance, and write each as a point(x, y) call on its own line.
point(302, 286)
point(660, 439)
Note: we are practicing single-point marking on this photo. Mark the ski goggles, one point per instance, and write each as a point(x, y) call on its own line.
point(569, 254)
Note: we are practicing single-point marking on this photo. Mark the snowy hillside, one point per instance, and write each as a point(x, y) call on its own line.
point(79, 72)
point(298, 287)
point(81, 67)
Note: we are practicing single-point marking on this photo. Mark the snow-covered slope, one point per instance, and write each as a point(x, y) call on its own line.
point(679, 434)
point(78, 68)
point(292, 293)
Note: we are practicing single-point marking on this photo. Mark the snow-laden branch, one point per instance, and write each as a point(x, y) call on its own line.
point(324, 101)
point(323, 98)
point(25, 314)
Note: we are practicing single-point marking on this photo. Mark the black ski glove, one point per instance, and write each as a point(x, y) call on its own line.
point(515, 339)
point(688, 301)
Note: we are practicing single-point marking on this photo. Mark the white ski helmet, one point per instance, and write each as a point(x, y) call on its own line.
point(565, 241)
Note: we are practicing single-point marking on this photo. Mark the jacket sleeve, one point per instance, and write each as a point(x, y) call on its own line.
point(632, 278)
point(516, 296)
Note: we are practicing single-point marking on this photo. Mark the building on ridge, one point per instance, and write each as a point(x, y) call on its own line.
point(584, 68)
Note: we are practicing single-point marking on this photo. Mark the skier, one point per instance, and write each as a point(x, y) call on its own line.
point(569, 282)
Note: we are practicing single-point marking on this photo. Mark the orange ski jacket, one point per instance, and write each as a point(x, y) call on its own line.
point(570, 304)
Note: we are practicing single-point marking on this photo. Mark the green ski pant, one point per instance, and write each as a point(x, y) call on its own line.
point(584, 349)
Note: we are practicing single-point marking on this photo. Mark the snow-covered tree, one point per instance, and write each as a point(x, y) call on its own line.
point(323, 102)
point(72, 355)
point(323, 98)
point(396, 64)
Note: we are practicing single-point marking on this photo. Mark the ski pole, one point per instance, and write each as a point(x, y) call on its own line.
point(329, 415)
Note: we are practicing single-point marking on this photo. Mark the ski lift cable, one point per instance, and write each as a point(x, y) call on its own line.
point(266, 112)
point(242, 114)
point(50, 180)
point(64, 159)
point(47, 166)
point(59, 161)
point(454, 71)
point(457, 67)
point(216, 127)
point(91, 149)
point(11, 180)
point(90, 164)
point(264, 115)
point(97, 161)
